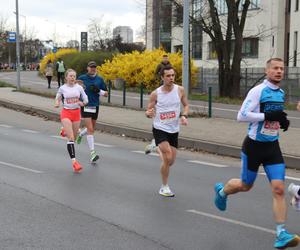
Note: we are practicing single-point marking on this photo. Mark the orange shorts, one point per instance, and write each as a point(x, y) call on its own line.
point(72, 114)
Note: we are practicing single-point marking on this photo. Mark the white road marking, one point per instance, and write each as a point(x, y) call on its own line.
point(143, 152)
point(5, 126)
point(286, 177)
point(30, 131)
point(209, 164)
point(103, 145)
point(236, 222)
point(20, 167)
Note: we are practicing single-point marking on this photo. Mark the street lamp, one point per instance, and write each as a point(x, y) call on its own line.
point(18, 46)
point(186, 48)
point(75, 31)
point(54, 35)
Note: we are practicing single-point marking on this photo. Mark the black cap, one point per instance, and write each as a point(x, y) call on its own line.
point(92, 64)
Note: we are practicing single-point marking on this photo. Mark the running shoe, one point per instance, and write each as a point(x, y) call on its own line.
point(220, 201)
point(78, 139)
point(150, 148)
point(94, 156)
point(76, 166)
point(285, 240)
point(62, 132)
point(166, 191)
point(295, 202)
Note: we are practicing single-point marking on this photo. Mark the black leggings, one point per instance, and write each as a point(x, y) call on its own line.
point(49, 81)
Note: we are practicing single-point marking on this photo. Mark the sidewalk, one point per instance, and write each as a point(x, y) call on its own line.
point(215, 135)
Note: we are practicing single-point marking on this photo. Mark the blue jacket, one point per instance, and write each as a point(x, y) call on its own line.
point(89, 84)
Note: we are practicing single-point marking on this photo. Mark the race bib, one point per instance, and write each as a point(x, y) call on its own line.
point(270, 128)
point(167, 117)
point(90, 109)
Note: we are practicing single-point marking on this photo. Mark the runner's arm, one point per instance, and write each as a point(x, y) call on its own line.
point(251, 103)
point(186, 107)
point(58, 98)
point(150, 112)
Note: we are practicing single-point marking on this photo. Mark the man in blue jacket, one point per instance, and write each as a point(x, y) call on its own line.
point(94, 87)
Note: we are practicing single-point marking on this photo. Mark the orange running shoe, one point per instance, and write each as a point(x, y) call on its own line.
point(76, 166)
point(62, 132)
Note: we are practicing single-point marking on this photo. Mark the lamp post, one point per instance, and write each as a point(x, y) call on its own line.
point(186, 50)
point(25, 37)
point(18, 46)
point(54, 34)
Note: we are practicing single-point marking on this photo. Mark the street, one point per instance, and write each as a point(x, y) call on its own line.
point(30, 79)
point(115, 204)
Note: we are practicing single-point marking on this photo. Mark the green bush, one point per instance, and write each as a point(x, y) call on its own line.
point(79, 61)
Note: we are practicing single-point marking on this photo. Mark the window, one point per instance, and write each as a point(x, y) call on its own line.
point(178, 15)
point(212, 51)
point(222, 6)
point(295, 47)
point(297, 5)
point(196, 31)
point(249, 48)
point(177, 48)
point(196, 42)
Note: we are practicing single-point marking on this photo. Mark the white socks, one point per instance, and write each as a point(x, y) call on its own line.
point(90, 140)
point(83, 132)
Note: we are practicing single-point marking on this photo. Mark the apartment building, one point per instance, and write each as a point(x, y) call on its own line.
point(271, 30)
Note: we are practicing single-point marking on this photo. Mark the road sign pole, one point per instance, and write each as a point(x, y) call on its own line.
point(18, 47)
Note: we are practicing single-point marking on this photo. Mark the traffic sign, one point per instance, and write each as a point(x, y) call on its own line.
point(12, 37)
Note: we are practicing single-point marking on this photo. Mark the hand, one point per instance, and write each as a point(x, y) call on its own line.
point(56, 106)
point(298, 106)
point(150, 113)
point(278, 116)
point(80, 103)
point(103, 93)
point(285, 125)
point(184, 120)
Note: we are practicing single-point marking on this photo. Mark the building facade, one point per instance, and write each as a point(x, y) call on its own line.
point(125, 32)
point(266, 35)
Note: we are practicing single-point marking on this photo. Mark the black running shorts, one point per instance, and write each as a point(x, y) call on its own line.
point(90, 113)
point(161, 136)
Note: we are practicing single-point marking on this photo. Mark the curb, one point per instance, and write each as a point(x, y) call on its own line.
point(201, 145)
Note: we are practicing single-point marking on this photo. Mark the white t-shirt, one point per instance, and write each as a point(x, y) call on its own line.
point(71, 95)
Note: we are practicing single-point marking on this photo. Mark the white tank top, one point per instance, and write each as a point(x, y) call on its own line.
point(167, 110)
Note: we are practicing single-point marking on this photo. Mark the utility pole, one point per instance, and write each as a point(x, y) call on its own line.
point(18, 46)
point(186, 49)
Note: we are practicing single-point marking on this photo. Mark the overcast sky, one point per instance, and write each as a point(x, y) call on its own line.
point(70, 17)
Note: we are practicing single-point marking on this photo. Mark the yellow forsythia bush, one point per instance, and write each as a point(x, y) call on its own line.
point(53, 57)
point(137, 67)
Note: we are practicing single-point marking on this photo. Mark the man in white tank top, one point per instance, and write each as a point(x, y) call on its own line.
point(164, 108)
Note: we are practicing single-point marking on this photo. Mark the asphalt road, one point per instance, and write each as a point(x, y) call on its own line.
point(31, 80)
point(115, 204)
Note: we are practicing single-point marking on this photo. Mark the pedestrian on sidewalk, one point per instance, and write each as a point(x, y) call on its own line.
point(49, 72)
point(60, 69)
point(165, 62)
point(164, 106)
point(263, 109)
point(71, 95)
point(94, 88)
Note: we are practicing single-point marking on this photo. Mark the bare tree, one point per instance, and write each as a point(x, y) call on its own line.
point(99, 33)
point(226, 34)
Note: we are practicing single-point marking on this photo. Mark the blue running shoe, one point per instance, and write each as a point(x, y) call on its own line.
point(285, 239)
point(220, 201)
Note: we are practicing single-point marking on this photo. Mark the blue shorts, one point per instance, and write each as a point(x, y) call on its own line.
point(255, 153)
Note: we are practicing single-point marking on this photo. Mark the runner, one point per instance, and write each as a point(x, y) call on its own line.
point(294, 191)
point(263, 109)
point(164, 107)
point(94, 87)
point(70, 94)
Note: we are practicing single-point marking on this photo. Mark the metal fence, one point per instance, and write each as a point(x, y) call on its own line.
point(249, 78)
